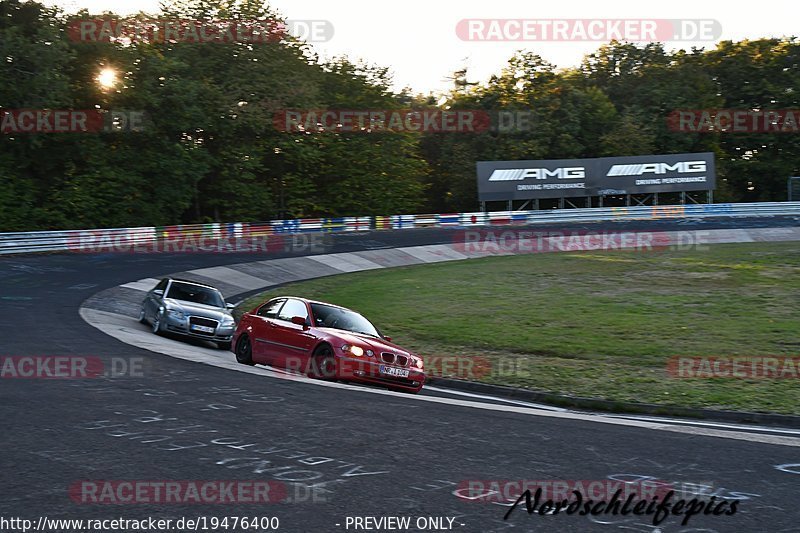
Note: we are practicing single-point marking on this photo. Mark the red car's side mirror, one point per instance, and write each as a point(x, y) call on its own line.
point(300, 321)
point(387, 338)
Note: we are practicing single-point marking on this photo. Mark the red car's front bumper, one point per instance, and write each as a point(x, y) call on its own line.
point(368, 370)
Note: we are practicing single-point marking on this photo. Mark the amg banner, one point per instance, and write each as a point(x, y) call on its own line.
point(554, 178)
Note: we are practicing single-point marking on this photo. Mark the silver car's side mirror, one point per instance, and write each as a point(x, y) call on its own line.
point(230, 306)
point(158, 292)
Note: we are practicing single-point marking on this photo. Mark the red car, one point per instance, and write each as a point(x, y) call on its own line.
point(326, 342)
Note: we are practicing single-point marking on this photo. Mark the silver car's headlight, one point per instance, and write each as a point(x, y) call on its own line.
point(227, 321)
point(175, 313)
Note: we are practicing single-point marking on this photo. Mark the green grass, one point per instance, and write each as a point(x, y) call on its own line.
point(599, 325)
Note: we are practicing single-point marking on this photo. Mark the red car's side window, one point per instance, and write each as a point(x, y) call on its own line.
point(270, 309)
point(293, 308)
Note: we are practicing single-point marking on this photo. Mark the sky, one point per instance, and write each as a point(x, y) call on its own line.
point(417, 39)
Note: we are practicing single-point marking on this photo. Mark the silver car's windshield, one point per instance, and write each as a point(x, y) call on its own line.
point(195, 294)
point(327, 316)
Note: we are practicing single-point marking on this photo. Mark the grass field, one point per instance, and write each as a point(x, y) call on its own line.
point(600, 325)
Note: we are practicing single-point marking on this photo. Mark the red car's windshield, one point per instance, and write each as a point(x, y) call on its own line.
point(327, 316)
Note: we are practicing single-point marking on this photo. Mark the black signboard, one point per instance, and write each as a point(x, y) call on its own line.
point(555, 178)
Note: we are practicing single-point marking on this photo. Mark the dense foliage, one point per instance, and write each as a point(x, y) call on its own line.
point(210, 151)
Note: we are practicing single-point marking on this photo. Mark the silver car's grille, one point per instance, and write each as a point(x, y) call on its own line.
point(200, 321)
point(394, 359)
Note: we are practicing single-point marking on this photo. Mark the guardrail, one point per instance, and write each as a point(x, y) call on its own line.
point(78, 240)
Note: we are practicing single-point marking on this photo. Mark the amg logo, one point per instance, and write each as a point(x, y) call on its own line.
point(513, 174)
point(682, 167)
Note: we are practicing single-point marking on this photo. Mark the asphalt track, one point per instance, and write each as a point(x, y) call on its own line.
point(364, 452)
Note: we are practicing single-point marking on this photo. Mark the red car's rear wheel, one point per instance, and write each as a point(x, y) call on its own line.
point(244, 351)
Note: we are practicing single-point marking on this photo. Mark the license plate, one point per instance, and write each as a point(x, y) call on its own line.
point(204, 329)
point(392, 371)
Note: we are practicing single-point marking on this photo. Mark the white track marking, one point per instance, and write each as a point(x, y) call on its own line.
point(231, 276)
point(389, 257)
point(487, 397)
point(346, 262)
point(434, 253)
point(741, 427)
point(143, 285)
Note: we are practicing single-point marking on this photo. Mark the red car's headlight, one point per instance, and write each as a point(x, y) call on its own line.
point(357, 351)
point(419, 364)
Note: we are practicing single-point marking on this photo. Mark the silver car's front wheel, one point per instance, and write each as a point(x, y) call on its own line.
point(157, 325)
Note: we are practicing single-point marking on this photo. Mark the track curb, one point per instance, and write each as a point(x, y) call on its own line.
point(597, 404)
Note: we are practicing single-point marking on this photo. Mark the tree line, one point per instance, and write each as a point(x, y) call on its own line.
point(209, 150)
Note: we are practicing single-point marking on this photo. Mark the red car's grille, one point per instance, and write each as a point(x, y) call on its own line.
point(394, 359)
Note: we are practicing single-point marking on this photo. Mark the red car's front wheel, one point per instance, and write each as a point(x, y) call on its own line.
point(323, 363)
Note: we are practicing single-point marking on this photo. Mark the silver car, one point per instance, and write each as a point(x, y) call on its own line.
point(188, 308)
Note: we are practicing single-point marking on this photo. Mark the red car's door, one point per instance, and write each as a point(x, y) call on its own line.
point(293, 342)
point(263, 341)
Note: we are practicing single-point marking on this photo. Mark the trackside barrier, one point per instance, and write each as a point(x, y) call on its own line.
point(508, 218)
point(256, 230)
point(472, 219)
point(403, 221)
point(448, 219)
point(383, 223)
point(356, 224)
point(426, 221)
point(57, 241)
